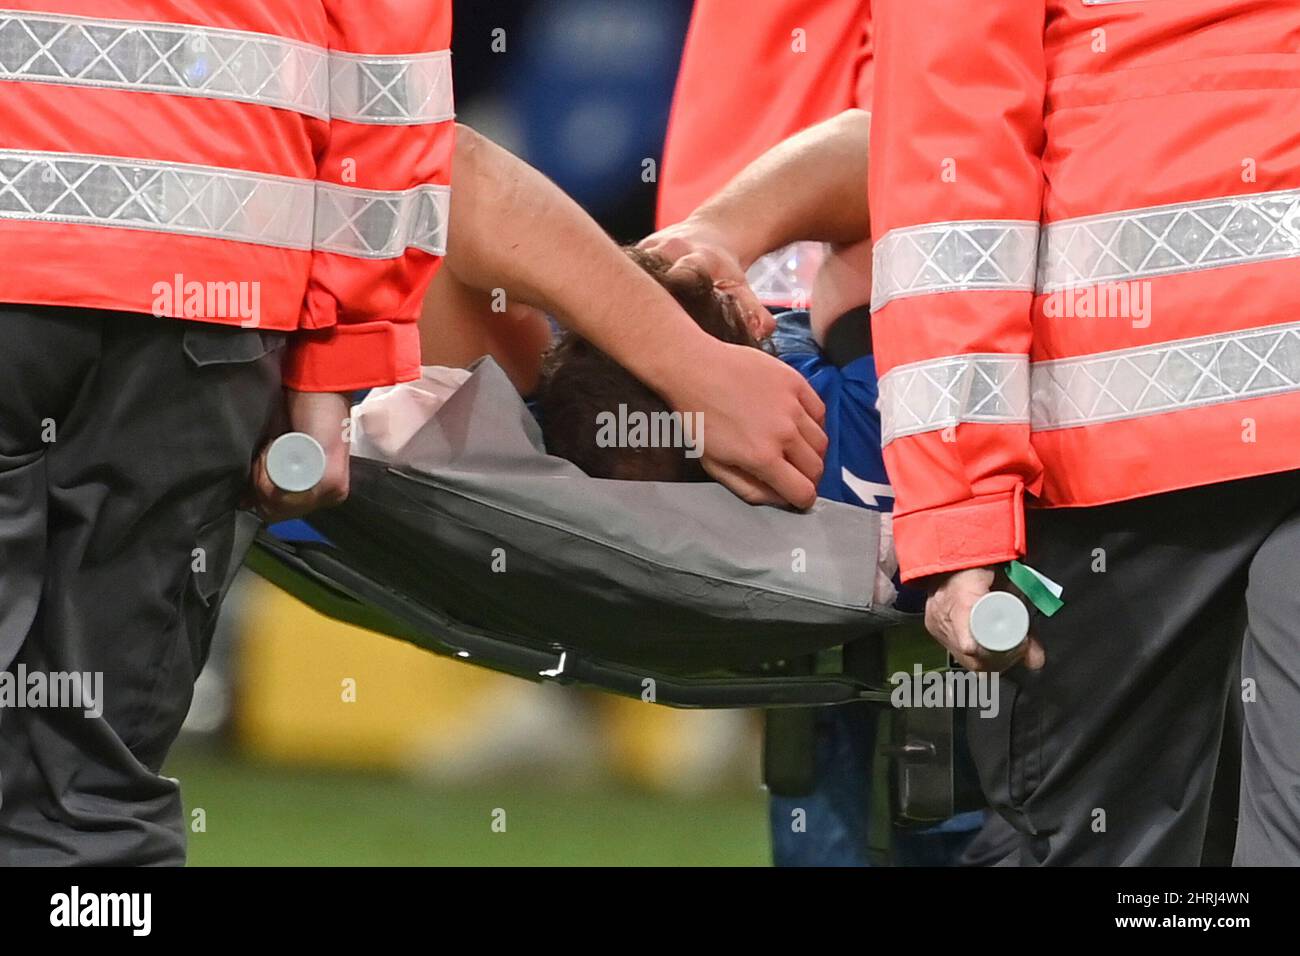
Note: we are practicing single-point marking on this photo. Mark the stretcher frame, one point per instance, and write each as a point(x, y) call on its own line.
point(314, 574)
point(915, 776)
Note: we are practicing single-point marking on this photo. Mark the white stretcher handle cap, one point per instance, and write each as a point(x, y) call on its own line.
point(999, 622)
point(295, 462)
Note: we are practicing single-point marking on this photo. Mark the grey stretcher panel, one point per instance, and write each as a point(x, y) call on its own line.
point(684, 576)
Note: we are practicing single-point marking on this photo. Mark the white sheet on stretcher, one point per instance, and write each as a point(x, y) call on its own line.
point(389, 417)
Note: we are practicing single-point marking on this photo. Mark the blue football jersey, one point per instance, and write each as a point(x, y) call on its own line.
point(855, 461)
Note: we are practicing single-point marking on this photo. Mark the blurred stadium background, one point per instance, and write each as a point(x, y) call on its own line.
point(417, 767)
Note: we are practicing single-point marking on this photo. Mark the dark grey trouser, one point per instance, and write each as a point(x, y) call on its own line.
point(998, 842)
point(117, 540)
point(1107, 755)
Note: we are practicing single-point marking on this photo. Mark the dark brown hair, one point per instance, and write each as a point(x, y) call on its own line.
point(580, 382)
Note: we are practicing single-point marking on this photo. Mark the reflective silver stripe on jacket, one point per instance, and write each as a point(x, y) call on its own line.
point(219, 203)
point(369, 224)
point(165, 58)
point(161, 197)
point(1169, 377)
point(391, 90)
point(940, 393)
point(1091, 389)
point(1167, 240)
point(963, 256)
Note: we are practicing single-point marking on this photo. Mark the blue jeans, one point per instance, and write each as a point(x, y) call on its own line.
point(836, 818)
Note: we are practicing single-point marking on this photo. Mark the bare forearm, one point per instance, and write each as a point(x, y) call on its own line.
point(512, 228)
point(812, 186)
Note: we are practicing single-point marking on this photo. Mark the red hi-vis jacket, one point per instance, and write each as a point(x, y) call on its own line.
point(752, 75)
point(181, 156)
point(749, 80)
point(1088, 256)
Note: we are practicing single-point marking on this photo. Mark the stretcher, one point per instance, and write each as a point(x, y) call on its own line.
point(471, 542)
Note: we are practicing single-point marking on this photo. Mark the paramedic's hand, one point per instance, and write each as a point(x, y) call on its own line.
point(701, 247)
point(947, 618)
point(762, 423)
point(323, 416)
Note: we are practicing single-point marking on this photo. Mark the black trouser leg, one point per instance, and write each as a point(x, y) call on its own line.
point(1221, 829)
point(1108, 755)
point(156, 424)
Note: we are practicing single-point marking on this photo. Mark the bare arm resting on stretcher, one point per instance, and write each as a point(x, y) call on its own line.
point(513, 229)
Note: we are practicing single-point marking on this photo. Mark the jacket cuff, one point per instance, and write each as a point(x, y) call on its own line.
point(344, 358)
point(980, 532)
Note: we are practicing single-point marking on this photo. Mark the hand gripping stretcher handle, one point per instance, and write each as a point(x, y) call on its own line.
point(999, 622)
point(295, 462)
